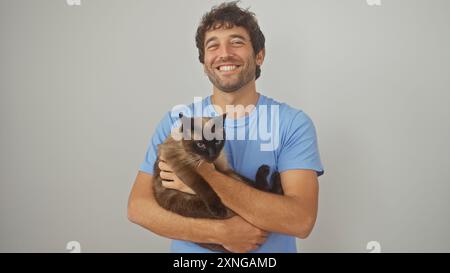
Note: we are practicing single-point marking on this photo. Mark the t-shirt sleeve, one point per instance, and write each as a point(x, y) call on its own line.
point(299, 149)
point(160, 134)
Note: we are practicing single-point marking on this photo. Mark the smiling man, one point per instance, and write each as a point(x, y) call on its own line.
point(231, 49)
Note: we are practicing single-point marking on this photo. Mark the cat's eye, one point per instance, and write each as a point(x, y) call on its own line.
point(200, 145)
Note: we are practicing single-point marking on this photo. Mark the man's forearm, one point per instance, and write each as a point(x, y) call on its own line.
point(149, 215)
point(271, 212)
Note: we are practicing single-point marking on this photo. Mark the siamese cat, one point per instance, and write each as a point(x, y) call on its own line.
point(184, 152)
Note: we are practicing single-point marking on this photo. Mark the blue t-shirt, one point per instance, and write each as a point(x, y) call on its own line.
point(274, 134)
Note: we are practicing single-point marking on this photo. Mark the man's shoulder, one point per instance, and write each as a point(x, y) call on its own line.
point(286, 112)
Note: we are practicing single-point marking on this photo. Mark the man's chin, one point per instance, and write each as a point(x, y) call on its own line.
point(228, 88)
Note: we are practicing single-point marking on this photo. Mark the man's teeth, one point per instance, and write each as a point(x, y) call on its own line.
point(227, 67)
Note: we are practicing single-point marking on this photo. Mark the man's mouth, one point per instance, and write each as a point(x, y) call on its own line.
point(227, 68)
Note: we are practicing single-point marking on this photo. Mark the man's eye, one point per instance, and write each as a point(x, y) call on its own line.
point(211, 46)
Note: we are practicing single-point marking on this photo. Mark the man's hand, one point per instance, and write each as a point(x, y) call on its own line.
point(204, 168)
point(237, 235)
point(170, 180)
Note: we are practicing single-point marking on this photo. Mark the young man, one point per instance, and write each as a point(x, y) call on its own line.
point(231, 49)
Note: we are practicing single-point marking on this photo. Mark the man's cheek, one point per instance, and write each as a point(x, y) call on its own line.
point(205, 68)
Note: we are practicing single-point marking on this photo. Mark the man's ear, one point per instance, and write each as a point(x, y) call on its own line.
point(260, 57)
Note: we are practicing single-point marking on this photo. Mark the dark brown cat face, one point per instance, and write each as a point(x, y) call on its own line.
point(206, 137)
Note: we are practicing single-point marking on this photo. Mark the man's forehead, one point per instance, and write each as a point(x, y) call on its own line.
point(226, 32)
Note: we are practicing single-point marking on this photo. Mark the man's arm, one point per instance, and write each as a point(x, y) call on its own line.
point(235, 234)
point(293, 213)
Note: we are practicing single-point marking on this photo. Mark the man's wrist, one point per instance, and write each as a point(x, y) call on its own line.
point(205, 170)
point(219, 231)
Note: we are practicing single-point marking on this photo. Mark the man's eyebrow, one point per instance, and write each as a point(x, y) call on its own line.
point(231, 36)
point(238, 36)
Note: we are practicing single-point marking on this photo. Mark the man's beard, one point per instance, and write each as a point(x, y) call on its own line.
point(246, 75)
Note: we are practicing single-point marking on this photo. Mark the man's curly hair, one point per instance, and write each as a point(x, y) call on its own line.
point(228, 15)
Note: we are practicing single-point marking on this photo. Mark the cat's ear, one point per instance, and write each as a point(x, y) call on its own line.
point(186, 119)
point(181, 118)
point(222, 118)
point(183, 121)
point(186, 122)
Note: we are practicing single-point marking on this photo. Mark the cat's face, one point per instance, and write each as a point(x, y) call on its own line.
point(207, 137)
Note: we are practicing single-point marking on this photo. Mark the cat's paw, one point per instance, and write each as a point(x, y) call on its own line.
point(261, 182)
point(275, 180)
point(275, 177)
point(263, 171)
point(218, 210)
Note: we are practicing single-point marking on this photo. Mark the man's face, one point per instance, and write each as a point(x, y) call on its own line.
point(230, 62)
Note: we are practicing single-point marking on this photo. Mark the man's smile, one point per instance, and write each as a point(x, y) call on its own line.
point(228, 69)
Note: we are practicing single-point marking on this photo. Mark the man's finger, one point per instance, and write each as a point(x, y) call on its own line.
point(163, 166)
point(166, 175)
point(169, 184)
point(261, 240)
point(263, 233)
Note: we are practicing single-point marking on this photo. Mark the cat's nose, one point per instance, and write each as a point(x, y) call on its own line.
point(210, 158)
point(211, 152)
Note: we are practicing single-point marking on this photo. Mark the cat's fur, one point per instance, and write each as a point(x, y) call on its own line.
point(184, 155)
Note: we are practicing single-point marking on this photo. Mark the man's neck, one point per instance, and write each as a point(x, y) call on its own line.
point(245, 98)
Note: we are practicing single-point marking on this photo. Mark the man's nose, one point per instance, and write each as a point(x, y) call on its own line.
point(225, 52)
